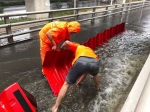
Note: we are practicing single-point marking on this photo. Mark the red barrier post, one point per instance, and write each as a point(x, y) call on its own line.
point(113, 31)
point(105, 35)
point(86, 43)
point(94, 42)
point(97, 40)
point(102, 37)
point(90, 43)
point(108, 34)
point(123, 26)
point(117, 29)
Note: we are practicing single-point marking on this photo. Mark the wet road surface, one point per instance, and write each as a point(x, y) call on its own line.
point(121, 60)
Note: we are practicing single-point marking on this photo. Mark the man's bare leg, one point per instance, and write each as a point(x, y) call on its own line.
point(61, 95)
point(80, 79)
point(97, 81)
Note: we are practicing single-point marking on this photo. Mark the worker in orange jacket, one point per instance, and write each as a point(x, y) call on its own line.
point(85, 61)
point(55, 32)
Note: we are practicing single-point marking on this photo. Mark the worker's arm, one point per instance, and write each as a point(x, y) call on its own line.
point(65, 44)
point(70, 45)
point(52, 40)
point(61, 95)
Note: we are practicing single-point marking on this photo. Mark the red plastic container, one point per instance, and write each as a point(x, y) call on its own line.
point(14, 99)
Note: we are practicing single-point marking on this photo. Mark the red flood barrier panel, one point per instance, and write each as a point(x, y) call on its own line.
point(103, 37)
point(56, 66)
point(107, 35)
point(16, 99)
point(99, 39)
point(122, 27)
point(112, 31)
point(86, 43)
point(94, 42)
point(90, 43)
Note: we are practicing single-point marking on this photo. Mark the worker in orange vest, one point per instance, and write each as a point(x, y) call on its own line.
point(85, 61)
point(55, 32)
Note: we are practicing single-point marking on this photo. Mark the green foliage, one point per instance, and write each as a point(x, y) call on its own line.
point(12, 3)
point(1, 22)
point(55, 1)
point(57, 14)
point(22, 19)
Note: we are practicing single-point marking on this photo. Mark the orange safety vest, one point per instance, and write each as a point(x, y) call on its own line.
point(84, 51)
point(59, 32)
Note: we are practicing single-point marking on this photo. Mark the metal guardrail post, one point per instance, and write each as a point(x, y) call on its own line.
point(106, 11)
point(76, 13)
point(8, 29)
point(51, 16)
point(122, 9)
point(126, 8)
point(129, 5)
point(93, 15)
point(115, 10)
point(116, 6)
point(143, 4)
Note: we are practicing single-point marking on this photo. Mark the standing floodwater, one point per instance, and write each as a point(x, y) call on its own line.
point(121, 60)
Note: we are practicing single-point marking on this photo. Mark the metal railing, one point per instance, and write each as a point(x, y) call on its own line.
point(102, 10)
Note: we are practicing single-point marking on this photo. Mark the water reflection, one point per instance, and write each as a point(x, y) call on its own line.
point(17, 38)
point(18, 9)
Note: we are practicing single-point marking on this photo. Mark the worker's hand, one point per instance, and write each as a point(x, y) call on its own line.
point(61, 49)
point(54, 108)
point(54, 48)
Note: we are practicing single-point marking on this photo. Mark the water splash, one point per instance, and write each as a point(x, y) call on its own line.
point(121, 60)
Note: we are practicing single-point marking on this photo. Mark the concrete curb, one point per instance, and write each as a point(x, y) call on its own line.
point(134, 97)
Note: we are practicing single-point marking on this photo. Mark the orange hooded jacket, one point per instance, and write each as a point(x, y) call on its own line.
point(59, 30)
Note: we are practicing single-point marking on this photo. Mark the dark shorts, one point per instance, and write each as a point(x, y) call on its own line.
point(81, 66)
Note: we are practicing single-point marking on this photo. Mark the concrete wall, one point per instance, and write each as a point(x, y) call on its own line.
point(37, 5)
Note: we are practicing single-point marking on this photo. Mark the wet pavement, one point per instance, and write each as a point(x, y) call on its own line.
point(121, 60)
